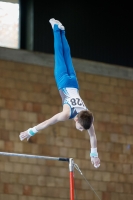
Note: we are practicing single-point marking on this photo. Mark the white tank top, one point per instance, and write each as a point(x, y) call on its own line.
point(71, 97)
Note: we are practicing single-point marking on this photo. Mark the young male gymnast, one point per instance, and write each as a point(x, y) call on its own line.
point(73, 105)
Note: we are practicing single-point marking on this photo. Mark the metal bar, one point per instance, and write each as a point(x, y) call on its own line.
point(71, 172)
point(34, 156)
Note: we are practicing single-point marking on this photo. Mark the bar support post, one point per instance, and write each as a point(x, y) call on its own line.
point(71, 172)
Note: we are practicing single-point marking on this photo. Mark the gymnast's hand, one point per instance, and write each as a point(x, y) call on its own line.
point(95, 161)
point(24, 135)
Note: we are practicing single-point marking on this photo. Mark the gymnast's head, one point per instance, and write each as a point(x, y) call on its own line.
point(84, 120)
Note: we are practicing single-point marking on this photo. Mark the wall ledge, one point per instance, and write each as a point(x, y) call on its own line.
point(43, 59)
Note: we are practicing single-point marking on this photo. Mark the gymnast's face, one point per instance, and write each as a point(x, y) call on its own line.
point(78, 125)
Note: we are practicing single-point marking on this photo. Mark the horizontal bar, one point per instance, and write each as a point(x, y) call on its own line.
point(34, 156)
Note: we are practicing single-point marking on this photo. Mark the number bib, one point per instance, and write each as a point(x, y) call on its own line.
point(76, 102)
point(71, 97)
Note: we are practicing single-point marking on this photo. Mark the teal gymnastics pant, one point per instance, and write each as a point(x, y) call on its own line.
point(64, 72)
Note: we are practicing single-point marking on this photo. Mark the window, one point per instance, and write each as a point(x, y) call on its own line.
point(9, 24)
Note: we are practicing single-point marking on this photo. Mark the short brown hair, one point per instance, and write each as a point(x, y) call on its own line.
point(85, 118)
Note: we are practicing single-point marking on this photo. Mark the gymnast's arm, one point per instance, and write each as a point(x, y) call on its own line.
point(93, 141)
point(62, 116)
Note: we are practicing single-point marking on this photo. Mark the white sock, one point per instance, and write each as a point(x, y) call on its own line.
point(52, 21)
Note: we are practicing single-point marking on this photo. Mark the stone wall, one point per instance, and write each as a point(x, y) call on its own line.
point(28, 96)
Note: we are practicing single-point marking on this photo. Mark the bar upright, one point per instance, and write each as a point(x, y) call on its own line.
point(71, 172)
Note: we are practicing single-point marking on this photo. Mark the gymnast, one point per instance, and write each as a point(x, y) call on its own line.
point(67, 84)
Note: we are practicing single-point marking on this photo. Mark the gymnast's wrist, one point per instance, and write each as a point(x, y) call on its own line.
point(32, 131)
point(93, 152)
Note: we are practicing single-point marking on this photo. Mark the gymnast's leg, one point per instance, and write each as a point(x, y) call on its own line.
point(67, 54)
point(68, 59)
point(65, 75)
point(60, 67)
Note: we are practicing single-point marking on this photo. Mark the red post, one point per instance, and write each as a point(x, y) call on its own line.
point(71, 170)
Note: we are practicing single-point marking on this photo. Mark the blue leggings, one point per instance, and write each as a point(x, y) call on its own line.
point(64, 72)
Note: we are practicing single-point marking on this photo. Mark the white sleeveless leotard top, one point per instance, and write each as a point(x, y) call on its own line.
point(71, 97)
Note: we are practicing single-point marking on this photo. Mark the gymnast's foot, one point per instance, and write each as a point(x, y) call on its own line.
point(52, 21)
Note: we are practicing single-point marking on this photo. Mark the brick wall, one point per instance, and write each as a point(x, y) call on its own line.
point(28, 96)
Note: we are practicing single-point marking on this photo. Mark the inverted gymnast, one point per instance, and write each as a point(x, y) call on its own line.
point(73, 105)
